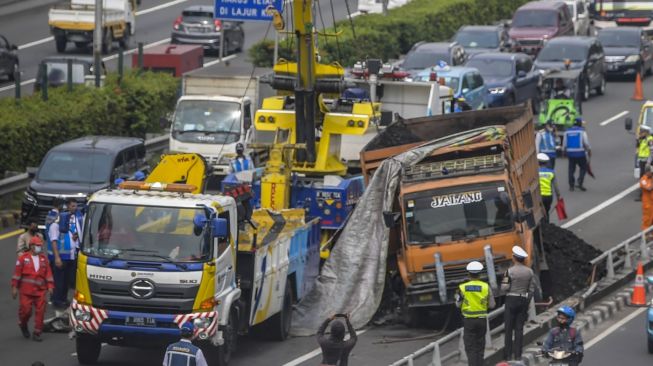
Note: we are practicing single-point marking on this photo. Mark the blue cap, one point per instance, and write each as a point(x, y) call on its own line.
point(118, 181)
point(139, 175)
point(187, 329)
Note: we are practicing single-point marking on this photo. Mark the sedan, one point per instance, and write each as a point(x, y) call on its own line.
point(197, 26)
point(628, 51)
point(8, 58)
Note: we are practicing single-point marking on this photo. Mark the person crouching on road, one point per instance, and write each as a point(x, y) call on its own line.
point(184, 352)
point(31, 280)
point(564, 337)
point(646, 185)
point(335, 349)
point(474, 297)
point(520, 285)
point(548, 183)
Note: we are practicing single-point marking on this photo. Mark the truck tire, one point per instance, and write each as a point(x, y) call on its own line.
point(124, 41)
point(81, 44)
point(88, 350)
point(281, 322)
point(230, 334)
point(60, 43)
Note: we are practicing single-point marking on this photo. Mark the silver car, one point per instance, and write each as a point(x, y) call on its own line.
point(197, 25)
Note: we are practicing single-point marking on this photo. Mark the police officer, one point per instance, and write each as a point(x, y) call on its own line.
point(184, 352)
point(545, 142)
point(474, 297)
point(576, 146)
point(644, 143)
point(241, 162)
point(547, 182)
point(520, 285)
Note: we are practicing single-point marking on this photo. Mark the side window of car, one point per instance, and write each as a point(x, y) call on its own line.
point(131, 161)
point(478, 80)
point(466, 82)
point(119, 164)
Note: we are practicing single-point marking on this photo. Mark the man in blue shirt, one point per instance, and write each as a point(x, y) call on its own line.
point(576, 146)
point(184, 352)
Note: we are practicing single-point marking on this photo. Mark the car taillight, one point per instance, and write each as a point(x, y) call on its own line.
point(218, 25)
point(177, 23)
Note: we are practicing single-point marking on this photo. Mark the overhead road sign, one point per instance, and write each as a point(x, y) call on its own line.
point(241, 10)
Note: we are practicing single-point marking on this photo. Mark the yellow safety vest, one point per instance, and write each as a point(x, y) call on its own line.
point(644, 150)
point(475, 298)
point(546, 180)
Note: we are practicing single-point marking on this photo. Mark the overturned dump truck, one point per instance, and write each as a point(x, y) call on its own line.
point(472, 196)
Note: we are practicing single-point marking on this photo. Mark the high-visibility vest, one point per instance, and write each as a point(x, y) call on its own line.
point(546, 181)
point(574, 142)
point(181, 354)
point(547, 143)
point(644, 150)
point(242, 164)
point(475, 298)
point(66, 225)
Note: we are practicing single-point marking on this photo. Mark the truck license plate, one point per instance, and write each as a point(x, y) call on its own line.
point(139, 321)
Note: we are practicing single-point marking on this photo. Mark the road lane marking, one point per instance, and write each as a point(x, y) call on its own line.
point(10, 234)
point(600, 207)
point(215, 62)
point(614, 327)
point(142, 12)
point(314, 353)
point(612, 119)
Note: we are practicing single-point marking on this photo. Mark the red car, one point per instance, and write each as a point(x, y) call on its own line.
point(534, 23)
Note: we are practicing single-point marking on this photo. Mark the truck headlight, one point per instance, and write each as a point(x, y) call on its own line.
point(425, 277)
point(202, 322)
point(82, 315)
point(632, 59)
point(497, 90)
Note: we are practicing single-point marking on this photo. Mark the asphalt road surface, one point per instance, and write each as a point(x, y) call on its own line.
point(29, 30)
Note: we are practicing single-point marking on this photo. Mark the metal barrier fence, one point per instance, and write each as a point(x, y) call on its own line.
point(20, 182)
point(621, 257)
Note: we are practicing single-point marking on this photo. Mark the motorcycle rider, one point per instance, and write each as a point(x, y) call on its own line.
point(564, 337)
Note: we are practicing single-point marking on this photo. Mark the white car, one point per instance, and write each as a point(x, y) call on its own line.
point(376, 6)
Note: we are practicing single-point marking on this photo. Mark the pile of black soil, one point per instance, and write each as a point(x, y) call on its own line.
point(393, 135)
point(568, 258)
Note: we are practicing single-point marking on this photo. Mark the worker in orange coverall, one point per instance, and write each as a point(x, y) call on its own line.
point(32, 279)
point(646, 183)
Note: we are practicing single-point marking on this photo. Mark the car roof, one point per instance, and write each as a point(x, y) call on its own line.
point(581, 41)
point(107, 143)
point(481, 27)
point(202, 8)
point(542, 5)
point(497, 55)
point(433, 46)
point(77, 59)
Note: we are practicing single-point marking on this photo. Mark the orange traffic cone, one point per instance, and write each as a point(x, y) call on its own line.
point(638, 94)
point(639, 292)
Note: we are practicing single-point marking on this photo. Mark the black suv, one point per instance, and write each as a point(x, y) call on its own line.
point(628, 51)
point(8, 58)
point(424, 55)
point(78, 168)
point(584, 53)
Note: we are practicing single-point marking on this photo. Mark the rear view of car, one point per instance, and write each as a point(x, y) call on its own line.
point(627, 51)
point(534, 23)
point(197, 26)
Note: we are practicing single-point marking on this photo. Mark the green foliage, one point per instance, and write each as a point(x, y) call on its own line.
point(388, 37)
point(32, 126)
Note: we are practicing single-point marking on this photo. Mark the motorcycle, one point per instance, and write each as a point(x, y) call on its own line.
point(561, 357)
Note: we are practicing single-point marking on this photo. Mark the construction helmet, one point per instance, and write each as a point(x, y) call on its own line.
point(543, 158)
point(474, 267)
point(567, 311)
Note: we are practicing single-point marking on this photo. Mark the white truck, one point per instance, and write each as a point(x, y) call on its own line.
point(75, 22)
point(215, 113)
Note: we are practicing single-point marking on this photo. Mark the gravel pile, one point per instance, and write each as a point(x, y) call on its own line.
point(568, 258)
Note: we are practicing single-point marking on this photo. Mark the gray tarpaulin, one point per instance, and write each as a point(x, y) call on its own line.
point(353, 278)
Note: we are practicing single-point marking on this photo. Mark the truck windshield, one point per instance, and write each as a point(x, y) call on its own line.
point(207, 121)
point(443, 215)
point(75, 167)
point(144, 233)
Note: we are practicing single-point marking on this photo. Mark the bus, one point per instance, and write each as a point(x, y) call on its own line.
point(607, 13)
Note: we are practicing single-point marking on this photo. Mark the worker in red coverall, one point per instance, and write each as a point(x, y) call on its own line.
point(32, 279)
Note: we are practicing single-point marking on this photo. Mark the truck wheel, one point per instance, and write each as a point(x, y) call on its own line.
point(412, 317)
point(280, 323)
point(81, 44)
point(60, 43)
point(88, 350)
point(230, 334)
point(124, 41)
point(601, 89)
point(586, 90)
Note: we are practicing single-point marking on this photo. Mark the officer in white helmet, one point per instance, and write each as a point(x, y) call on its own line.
point(548, 183)
point(474, 298)
point(520, 286)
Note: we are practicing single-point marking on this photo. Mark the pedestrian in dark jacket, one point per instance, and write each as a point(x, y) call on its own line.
point(335, 349)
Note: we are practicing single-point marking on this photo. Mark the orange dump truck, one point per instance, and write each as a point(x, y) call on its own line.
point(469, 200)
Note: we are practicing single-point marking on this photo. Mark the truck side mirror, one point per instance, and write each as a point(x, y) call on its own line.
point(219, 227)
point(31, 171)
point(391, 218)
point(527, 197)
point(628, 124)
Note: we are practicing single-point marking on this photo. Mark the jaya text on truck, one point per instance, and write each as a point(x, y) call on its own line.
point(75, 22)
point(470, 199)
